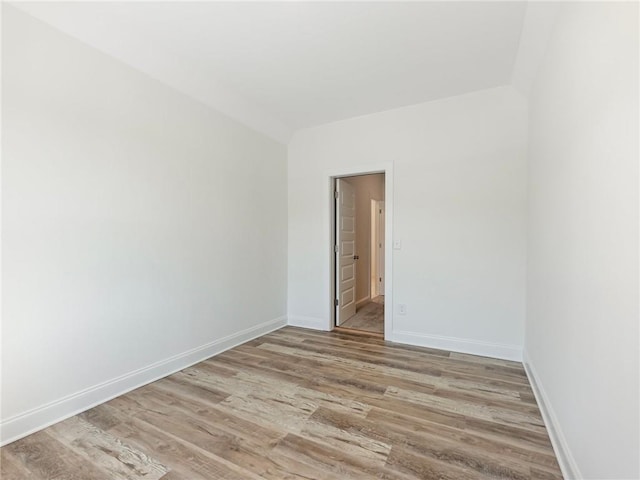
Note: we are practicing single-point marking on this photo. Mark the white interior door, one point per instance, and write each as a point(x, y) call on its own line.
point(345, 255)
point(373, 249)
point(380, 262)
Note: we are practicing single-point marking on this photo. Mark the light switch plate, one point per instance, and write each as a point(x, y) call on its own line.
point(397, 244)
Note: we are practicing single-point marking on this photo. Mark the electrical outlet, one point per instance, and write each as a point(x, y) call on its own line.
point(402, 309)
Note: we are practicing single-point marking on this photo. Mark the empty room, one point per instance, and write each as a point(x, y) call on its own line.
point(320, 240)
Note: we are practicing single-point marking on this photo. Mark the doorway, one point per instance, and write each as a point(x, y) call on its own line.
point(359, 247)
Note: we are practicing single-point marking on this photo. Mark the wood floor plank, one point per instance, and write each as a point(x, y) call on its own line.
point(402, 461)
point(541, 474)
point(113, 456)
point(366, 340)
point(332, 460)
point(102, 417)
point(431, 375)
point(503, 446)
point(12, 468)
point(369, 317)
point(253, 384)
point(510, 409)
point(439, 448)
point(192, 386)
point(469, 363)
point(472, 391)
point(471, 409)
point(303, 404)
point(370, 361)
point(285, 367)
point(204, 412)
point(307, 392)
point(185, 460)
point(47, 458)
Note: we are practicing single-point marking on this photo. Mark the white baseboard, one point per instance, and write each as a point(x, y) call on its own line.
point(568, 465)
point(308, 322)
point(21, 425)
point(460, 345)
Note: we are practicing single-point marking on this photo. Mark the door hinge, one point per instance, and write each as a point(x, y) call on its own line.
point(335, 194)
point(335, 302)
point(380, 279)
point(380, 210)
point(335, 248)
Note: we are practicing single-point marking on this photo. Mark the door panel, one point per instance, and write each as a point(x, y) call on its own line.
point(381, 248)
point(346, 241)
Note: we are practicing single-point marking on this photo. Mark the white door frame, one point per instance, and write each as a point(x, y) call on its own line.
point(387, 169)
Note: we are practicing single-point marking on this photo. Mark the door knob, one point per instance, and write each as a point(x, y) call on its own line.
point(356, 257)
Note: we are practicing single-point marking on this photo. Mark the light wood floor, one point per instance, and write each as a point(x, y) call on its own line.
point(369, 317)
point(303, 404)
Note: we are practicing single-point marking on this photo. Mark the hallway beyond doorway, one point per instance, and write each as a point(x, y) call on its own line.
point(369, 317)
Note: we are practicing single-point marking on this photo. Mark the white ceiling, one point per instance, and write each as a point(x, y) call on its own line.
point(281, 66)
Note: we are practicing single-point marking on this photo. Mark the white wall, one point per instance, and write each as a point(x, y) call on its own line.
point(458, 208)
point(367, 187)
point(138, 226)
point(582, 308)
